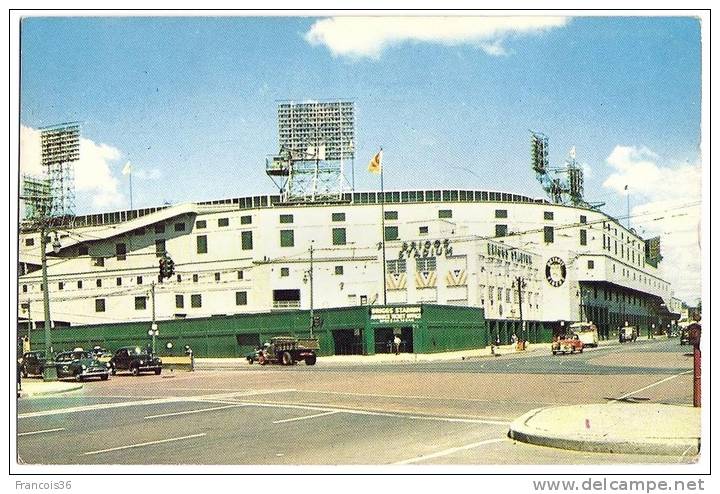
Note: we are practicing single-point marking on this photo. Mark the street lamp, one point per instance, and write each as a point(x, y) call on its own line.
point(153, 332)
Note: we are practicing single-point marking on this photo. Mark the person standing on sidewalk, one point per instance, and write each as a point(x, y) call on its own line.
point(397, 342)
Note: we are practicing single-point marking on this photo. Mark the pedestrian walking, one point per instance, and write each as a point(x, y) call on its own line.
point(397, 342)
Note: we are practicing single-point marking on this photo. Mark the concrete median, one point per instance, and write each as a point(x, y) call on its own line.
point(652, 429)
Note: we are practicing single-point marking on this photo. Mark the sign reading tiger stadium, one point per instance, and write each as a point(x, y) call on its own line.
point(395, 314)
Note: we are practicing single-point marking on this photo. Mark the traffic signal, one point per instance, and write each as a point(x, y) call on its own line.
point(169, 267)
point(161, 273)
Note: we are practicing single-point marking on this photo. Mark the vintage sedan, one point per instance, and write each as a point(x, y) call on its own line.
point(135, 360)
point(569, 343)
point(80, 365)
point(32, 363)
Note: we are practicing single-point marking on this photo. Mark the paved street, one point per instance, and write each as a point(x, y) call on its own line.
point(449, 412)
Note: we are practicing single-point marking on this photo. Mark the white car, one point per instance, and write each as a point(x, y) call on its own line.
point(587, 332)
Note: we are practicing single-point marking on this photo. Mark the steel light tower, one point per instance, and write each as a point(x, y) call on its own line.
point(50, 203)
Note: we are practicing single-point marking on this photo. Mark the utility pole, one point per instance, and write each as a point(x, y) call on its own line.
point(312, 312)
point(49, 371)
point(153, 327)
point(520, 283)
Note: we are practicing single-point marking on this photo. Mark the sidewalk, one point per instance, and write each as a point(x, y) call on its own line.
point(383, 358)
point(613, 428)
point(38, 387)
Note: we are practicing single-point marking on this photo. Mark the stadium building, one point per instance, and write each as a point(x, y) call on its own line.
point(444, 269)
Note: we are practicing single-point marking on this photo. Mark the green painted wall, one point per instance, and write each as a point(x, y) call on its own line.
point(441, 328)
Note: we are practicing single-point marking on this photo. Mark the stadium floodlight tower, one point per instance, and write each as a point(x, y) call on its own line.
point(50, 203)
point(60, 148)
point(316, 139)
point(559, 191)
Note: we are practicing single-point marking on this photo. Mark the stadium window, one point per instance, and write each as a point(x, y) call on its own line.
point(549, 215)
point(445, 213)
point(99, 305)
point(241, 274)
point(200, 224)
point(29, 242)
point(139, 232)
point(179, 302)
point(423, 230)
point(179, 227)
point(83, 250)
point(202, 244)
point(338, 270)
point(118, 281)
point(246, 220)
point(287, 238)
point(217, 276)
point(391, 215)
point(583, 219)
point(247, 240)
point(140, 303)
point(98, 283)
point(500, 230)
point(338, 236)
point(195, 278)
point(159, 247)
point(160, 228)
point(61, 285)
point(583, 237)
point(501, 213)
point(79, 284)
point(223, 222)
point(391, 233)
point(591, 264)
point(240, 298)
point(549, 234)
point(286, 218)
point(338, 216)
point(139, 280)
point(98, 261)
point(284, 272)
point(179, 278)
point(120, 251)
point(196, 300)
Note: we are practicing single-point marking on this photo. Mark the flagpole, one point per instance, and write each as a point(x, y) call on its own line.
point(382, 212)
point(130, 189)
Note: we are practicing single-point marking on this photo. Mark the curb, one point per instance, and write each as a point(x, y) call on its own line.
point(521, 431)
point(26, 394)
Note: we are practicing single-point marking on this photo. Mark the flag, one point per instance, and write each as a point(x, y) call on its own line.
point(127, 169)
point(572, 153)
point(626, 187)
point(375, 165)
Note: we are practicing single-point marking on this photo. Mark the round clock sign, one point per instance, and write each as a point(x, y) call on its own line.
point(555, 271)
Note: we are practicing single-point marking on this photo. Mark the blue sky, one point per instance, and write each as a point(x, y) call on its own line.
point(191, 102)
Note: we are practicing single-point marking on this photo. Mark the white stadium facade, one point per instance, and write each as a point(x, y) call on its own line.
point(515, 257)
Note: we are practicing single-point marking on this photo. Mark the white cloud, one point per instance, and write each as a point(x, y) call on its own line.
point(369, 36)
point(665, 193)
point(93, 171)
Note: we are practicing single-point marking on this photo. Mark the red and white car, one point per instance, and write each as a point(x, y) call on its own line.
point(569, 343)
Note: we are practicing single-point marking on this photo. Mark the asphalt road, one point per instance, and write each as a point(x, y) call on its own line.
point(449, 412)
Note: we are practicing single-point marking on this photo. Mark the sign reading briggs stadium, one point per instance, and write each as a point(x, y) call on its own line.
point(395, 314)
point(427, 248)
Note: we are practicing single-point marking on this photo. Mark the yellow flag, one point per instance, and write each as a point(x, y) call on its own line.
point(375, 165)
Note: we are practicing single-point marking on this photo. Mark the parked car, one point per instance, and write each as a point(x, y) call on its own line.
point(135, 360)
point(80, 365)
point(587, 332)
point(569, 343)
point(32, 363)
point(253, 356)
point(628, 333)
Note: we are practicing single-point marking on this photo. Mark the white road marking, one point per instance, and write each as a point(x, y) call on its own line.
point(40, 432)
point(306, 417)
point(649, 386)
point(161, 441)
point(449, 451)
point(154, 401)
point(188, 412)
point(352, 411)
